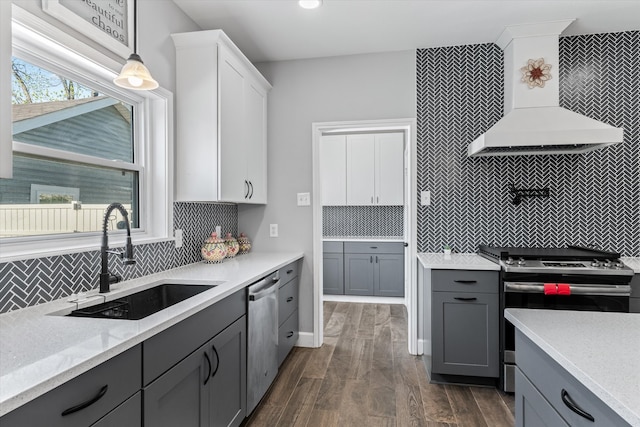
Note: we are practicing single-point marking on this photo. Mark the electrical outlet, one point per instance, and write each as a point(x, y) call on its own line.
point(273, 230)
point(177, 234)
point(425, 198)
point(304, 199)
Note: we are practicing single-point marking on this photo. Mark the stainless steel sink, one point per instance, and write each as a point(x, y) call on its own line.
point(142, 304)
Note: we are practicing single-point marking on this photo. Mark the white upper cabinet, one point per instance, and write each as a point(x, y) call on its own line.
point(6, 136)
point(333, 169)
point(375, 169)
point(221, 110)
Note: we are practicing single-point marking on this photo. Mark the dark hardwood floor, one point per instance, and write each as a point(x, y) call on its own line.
point(363, 375)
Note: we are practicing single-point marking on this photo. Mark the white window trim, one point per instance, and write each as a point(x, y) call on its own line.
point(156, 184)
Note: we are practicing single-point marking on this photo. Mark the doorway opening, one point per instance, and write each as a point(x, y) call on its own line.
point(406, 127)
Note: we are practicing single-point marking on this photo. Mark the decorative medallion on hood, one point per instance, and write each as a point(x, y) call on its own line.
point(535, 73)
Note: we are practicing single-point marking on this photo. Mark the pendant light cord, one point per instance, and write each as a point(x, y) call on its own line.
point(135, 26)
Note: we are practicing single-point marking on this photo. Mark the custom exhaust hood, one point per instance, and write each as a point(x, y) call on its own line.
point(534, 123)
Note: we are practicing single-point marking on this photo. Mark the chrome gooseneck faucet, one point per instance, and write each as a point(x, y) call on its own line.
point(107, 278)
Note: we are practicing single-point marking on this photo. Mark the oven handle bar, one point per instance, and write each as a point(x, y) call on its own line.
point(576, 289)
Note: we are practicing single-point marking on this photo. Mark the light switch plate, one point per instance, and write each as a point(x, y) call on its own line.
point(425, 198)
point(273, 230)
point(304, 199)
point(177, 234)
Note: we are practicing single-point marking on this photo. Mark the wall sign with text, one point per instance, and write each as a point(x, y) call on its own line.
point(108, 22)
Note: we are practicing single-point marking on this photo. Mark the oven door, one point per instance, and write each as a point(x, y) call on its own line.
point(608, 294)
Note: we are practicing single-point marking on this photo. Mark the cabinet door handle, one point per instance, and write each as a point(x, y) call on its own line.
point(466, 282)
point(376, 259)
point(213, 347)
point(87, 403)
point(465, 298)
point(378, 199)
point(289, 334)
point(289, 271)
point(371, 199)
point(371, 259)
point(206, 379)
point(246, 185)
point(569, 403)
point(289, 299)
point(251, 184)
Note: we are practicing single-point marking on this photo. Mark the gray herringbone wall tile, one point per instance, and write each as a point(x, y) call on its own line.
point(36, 281)
point(595, 197)
point(363, 221)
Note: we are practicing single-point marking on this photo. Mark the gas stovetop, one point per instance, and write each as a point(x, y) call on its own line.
point(569, 260)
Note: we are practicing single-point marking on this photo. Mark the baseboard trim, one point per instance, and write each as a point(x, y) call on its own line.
point(364, 299)
point(305, 339)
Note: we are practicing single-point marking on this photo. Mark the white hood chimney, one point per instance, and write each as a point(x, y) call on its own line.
point(534, 122)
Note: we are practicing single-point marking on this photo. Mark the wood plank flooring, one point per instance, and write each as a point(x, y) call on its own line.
point(363, 375)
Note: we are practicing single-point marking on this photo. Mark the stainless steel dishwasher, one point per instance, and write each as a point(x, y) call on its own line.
point(262, 345)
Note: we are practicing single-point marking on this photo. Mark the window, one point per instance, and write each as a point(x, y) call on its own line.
point(79, 144)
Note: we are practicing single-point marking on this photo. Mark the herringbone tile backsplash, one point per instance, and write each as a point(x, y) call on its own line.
point(36, 281)
point(594, 197)
point(363, 221)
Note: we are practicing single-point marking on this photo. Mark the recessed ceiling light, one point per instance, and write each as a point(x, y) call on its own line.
point(310, 4)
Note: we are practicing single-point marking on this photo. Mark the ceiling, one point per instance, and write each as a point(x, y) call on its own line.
point(276, 30)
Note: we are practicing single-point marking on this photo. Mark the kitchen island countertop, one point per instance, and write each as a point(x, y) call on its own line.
point(633, 263)
point(601, 350)
point(40, 350)
point(466, 261)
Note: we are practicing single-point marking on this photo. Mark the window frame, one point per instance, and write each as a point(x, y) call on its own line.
point(45, 45)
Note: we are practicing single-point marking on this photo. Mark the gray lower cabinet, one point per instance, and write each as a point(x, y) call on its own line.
point(333, 268)
point(532, 409)
point(374, 268)
point(634, 301)
point(207, 388)
point(465, 322)
point(95, 397)
point(548, 395)
point(288, 329)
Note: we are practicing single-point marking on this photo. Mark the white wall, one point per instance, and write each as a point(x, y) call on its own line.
point(357, 87)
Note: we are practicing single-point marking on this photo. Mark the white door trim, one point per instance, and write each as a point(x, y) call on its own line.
point(408, 125)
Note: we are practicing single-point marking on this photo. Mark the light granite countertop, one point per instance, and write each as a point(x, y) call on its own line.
point(40, 350)
point(633, 263)
point(601, 350)
point(467, 261)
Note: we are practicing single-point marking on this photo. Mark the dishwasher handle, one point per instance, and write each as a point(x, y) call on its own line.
point(263, 288)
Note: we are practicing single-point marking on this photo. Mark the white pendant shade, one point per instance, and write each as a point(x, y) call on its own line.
point(135, 75)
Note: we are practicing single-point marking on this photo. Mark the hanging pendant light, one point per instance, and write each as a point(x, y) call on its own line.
point(134, 75)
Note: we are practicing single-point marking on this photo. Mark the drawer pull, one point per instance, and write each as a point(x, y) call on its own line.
point(213, 347)
point(373, 247)
point(465, 298)
point(289, 271)
point(289, 299)
point(289, 334)
point(466, 282)
point(206, 380)
point(89, 402)
point(569, 403)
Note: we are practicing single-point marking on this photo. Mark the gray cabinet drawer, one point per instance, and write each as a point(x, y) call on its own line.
point(551, 379)
point(333, 247)
point(373, 247)
point(288, 272)
point(532, 409)
point(465, 281)
point(164, 350)
point(119, 377)
point(129, 414)
point(287, 300)
point(287, 336)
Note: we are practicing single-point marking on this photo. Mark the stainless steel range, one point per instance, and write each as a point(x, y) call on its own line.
point(572, 278)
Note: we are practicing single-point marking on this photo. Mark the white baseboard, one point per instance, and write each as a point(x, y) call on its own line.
point(424, 347)
point(305, 339)
point(364, 299)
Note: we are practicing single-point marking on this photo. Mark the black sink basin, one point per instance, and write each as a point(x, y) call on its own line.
point(142, 304)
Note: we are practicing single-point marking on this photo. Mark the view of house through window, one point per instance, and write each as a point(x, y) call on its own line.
point(66, 138)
